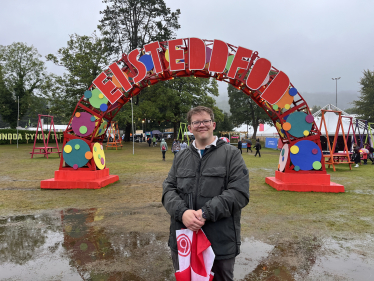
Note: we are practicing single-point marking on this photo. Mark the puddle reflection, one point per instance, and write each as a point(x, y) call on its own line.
point(74, 245)
point(69, 246)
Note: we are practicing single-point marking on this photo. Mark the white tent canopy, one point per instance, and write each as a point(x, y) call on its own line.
point(332, 121)
point(269, 131)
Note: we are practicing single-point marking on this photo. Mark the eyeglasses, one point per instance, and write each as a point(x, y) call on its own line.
point(197, 123)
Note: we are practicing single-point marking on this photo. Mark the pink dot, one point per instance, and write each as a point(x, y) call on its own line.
point(309, 118)
point(75, 166)
point(102, 161)
point(314, 150)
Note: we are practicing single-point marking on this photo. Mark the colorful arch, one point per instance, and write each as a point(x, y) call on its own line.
point(301, 165)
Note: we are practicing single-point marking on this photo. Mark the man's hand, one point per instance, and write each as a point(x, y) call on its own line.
point(191, 221)
point(199, 215)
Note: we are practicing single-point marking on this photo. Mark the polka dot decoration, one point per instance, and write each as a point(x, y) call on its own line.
point(147, 61)
point(292, 92)
point(317, 165)
point(294, 149)
point(97, 99)
point(103, 107)
point(298, 124)
point(309, 118)
point(87, 94)
point(306, 155)
point(82, 124)
point(287, 126)
point(208, 54)
point(116, 82)
point(229, 62)
point(102, 128)
point(167, 55)
point(74, 156)
point(68, 148)
point(88, 155)
point(99, 156)
point(285, 100)
point(283, 157)
point(279, 128)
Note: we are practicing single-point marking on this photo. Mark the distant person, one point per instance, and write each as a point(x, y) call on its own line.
point(258, 148)
point(240, 146)
point(149, 141)
point(356, 155)
point(183, 145)
point(370, 154)
point(164, 148)
point(176, 147)
point(154, 141)
point(249, 146)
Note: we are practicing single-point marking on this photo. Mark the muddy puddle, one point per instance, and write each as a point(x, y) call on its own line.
point(73, 245)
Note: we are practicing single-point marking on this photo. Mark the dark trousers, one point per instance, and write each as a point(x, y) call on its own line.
point(241, 152)
point(249, 149)
point(259, 154)
point(357, 158)
point(163, 154)
point(223, 269)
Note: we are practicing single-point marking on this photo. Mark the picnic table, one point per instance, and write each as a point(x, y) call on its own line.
point(46, 150)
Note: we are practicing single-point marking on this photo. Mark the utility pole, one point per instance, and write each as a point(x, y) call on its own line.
point(336, 95)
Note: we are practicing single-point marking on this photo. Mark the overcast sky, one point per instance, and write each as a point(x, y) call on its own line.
point(311, 41)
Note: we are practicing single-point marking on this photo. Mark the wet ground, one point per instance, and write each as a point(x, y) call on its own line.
point(73, 244)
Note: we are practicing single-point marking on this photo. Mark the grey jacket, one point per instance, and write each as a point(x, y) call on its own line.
point(218, 183)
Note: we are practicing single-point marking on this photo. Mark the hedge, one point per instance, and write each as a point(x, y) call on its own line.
point(9, 136)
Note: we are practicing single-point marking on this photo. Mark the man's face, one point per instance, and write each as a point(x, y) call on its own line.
point(202, 131)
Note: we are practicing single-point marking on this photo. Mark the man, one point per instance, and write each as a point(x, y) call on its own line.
point(240, 144)
point(258, 147)
point(207, 186)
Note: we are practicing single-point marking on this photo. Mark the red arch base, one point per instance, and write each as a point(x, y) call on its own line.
point(71, 179)
point(269, 87)
point(303, 182)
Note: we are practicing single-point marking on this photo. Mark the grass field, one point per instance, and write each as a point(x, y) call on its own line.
point(275, 217)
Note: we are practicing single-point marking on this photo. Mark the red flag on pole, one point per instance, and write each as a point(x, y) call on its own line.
point(195, 255)
point(261, 127)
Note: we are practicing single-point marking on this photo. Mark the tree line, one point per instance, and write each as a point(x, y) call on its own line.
point(124, 26)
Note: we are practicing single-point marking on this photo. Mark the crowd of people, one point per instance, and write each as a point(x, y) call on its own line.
point(364, 154)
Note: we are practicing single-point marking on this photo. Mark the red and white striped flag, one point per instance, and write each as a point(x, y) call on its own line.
point(196, 256)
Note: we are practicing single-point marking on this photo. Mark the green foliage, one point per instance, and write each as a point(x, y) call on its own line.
point(83, 58)
point(171, 100)
point(129, 24)
point(351, 110)
point(245, 111)
point(364, 105)
point(226, 125)
point(22, 74)
point(315, 108)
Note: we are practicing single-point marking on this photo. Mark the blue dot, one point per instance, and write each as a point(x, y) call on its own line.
point(292, 92)
point(93, 118)
point(147, 61)
point(103, 107)
point(99, 131)
point(87, 94)
point(283, 159)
